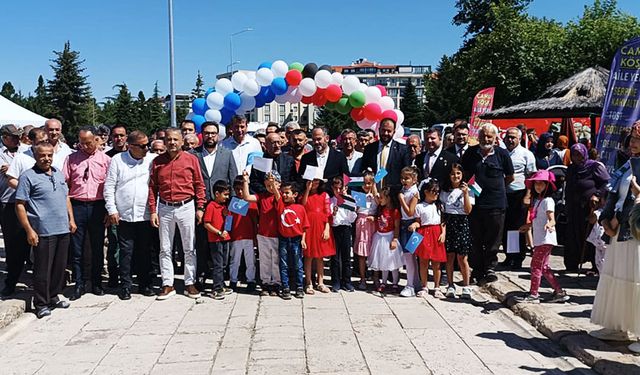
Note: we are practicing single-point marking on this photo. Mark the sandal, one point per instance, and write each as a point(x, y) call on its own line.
point(323, 288)
point(310, 290)
point(423, 293)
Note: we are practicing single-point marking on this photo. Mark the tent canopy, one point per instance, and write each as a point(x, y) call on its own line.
point(11, 113)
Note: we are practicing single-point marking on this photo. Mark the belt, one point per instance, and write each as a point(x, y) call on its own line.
point(86, 203)
point(176, 204)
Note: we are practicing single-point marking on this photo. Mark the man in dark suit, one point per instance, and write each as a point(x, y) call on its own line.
point(435, 162)
point(460, 138)
point(216, 163)
point(283, 163)
point(386, 153)
point(332, 162)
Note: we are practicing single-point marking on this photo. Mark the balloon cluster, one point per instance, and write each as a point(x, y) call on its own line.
point(294, 83)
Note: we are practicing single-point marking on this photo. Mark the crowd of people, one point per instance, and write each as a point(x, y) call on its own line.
point(197, 201)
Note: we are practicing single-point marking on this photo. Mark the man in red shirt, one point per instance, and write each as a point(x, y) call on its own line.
point(292, 226)
point(176, 182)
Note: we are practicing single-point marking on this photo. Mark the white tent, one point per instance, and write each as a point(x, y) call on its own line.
point(11, 113)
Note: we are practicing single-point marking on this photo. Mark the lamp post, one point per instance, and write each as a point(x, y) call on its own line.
point(231, 63)
point(230, 66)
point(172, 89)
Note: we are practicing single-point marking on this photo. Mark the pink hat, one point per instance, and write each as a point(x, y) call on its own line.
point(541, 175)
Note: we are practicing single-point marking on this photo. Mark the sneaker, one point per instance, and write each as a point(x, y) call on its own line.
point(527, 299)
point(438, 294)
point(264, 291)
point(335, 287)
point(228, 291)
point(560, 296)
point(466, 292)
point(191, 291)
point(145, 291)
point(124, 294)
point(300, 293)
point(251, 287)
point(218, 294)
point(610, 335)
point(635, 347)
point(285, 294)
point(362, 285)
point(349, 287)
point(59, 305)
point(408, 291)
point(42, 312)
point(490, 277)
point(167, 291)
point(273, 291)
point(451, 292)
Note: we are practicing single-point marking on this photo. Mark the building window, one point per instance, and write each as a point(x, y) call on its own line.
point(392, 92)
point(267, 109)
point(281, 109)
point(267, 117)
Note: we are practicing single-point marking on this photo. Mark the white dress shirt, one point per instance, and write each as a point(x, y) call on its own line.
point(322, 159)
point(431, 159)
point(21, 162)
point(126, 188)
point(209, 159)
point(242, 150)
point(524, 164)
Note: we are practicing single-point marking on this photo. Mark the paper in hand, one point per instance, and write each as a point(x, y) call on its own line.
point(312, 172)
point(262, 164)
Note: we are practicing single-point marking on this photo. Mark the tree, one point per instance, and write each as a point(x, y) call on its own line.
point(478, 15)
point(8, 91)
point(334, 121)
point(69, 90)
point(157, 116)
point(40, 103)
point(411, 106)
point(198, 91)
point(124, 108)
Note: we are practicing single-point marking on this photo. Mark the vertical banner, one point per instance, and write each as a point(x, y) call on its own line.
point(482, 102)
point(621, 106)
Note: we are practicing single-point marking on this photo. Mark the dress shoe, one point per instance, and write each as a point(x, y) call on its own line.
point(78, 291)
point(167, 291)
point(146, 291)
point(124, 294)
point(42, 312)
point(112, 283)
point(59, 305)
point(97, 290)
point(191, 291)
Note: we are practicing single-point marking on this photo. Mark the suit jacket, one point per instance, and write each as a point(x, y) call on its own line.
point(336, 164)
point(284, 164)
point(440, 169)
point(224, 168)
point(399, 158)
point(452, 149)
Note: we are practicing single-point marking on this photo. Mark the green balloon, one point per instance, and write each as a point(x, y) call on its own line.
point(342, 106)
point(297, 66)
point(357, 99)
point(330, 106)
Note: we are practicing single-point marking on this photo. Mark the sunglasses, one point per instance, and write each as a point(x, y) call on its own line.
point(143, 146)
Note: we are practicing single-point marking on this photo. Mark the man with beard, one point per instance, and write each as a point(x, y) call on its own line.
point(386, 153)
point(282, 163)
point(330, 161)
point(492, 170)
point(414, 144)
point(297, 143)
point(434, 162)
point(348, 139)
point(460, 138)
point(216, 163)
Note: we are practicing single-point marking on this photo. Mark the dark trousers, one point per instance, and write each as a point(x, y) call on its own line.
point(514, 218)
point(15, 244)
point(577, 250)
point(217, 254)
point(50, 259)
point(341, 262)
point(202, 254)
point(135, 252)
point(89, 217)
point(486, 230)
point(155, 253)
point(113, 250)
point(290, 251)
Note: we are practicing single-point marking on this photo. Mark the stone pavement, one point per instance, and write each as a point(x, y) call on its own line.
point(567, 323)
point(336, 333)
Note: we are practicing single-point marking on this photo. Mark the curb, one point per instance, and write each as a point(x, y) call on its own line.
point(600, 356)
point(11, 310)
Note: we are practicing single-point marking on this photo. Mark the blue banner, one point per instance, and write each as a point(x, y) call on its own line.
point(621, 103)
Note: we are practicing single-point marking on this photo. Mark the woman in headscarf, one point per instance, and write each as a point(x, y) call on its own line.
point(545, 155)
point(562, 149)
point(586, 184)
point(617, 303)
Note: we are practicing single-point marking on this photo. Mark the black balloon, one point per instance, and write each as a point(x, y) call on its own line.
point(326, 67)
point(309, 70)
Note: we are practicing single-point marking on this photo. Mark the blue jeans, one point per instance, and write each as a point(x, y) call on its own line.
point(290, 252)
point(89, 217)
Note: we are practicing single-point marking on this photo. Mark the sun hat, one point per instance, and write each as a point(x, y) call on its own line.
point(541, 175)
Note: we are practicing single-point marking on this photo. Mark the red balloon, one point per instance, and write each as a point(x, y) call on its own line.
point(383, 91)
point(319, 98)
point(372, 111)
point(293, 77)
point(307, 99)
point(390, 113)
point(333, 93)
point(357, 114)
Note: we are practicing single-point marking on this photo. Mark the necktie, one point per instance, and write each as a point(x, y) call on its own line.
point(384, 155)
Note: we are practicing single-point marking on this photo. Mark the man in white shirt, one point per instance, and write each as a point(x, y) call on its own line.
point(126, 194)
point(241, 144)
point(348, 139)
point(524, 164)
point(61, 150)
point(25, 160)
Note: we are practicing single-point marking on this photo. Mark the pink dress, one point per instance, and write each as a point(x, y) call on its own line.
point(365, 228)
point(319, 214)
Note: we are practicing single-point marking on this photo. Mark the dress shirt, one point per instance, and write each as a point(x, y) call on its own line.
point(85, 175)
point(242, 150)
point(461, 150)
point(209, 159)
point(60, 155)
point(126, 189)
point(322, 159)
point(524, 164)
point(342, 216)
point(20, 163)
point(383, 154)
point(431, 159)
point(176, 180)
point(351, 161)
point(7, 194)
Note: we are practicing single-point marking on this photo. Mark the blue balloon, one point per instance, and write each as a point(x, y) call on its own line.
point(227, 114)
point(199, 106)
point(279, 86)
point(209, 91)
point(269, 95)
point(232, 101)
point(198, 120)
point(266, 64)
point(259, 100)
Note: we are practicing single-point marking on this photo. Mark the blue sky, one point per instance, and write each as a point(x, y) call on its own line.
point(127, 40)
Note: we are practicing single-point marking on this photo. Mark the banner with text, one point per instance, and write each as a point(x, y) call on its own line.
point(482, 102)
point(621, 106)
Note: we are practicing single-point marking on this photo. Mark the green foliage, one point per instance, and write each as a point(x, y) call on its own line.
point(334, 121)
point(411, 107)
point(8, 91)
point(198, 91)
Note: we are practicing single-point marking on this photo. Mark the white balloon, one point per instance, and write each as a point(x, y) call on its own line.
point(399, 133)
point(281, 99)
point(363, 86)
point(189, 115)
point(248, 101)
point(337, 78)
point(224, 86)
point(251, 87)
point(307, 87)
point(372, 94)
point(400, 117)
point(279, 68)
point(385, 102)
point(250, 74)
point(238, 79)
point(350, 84)
point(296, 95)
point(323, 79)
point(215, 100)
point(222, 132)
point(264, 76)
point(365, 124)
point(213, 115)
point(240, 111)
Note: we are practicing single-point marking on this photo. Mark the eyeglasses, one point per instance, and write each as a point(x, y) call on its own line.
point(85, 177)
point(209, 134)
point(143, 146)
